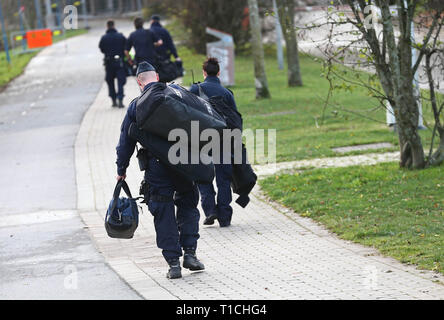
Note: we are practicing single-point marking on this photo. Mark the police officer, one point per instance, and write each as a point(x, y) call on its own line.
point(167, 190)
point(167, 48)
point(222, 211)
point(144, 42)
point(112, 45)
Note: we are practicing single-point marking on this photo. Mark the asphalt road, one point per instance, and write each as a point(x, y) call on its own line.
point(45, 252)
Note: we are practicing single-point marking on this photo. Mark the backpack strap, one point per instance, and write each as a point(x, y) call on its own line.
point(202, 93)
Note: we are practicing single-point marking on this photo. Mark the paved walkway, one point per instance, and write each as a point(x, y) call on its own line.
point(267, 253)
point(362, 159)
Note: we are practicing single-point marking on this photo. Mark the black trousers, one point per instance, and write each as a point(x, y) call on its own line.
point(115, 70)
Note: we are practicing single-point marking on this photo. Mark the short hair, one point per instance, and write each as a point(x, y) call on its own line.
point(147, 76)
point(211, 66)
point(110, 24)
point(138, 23)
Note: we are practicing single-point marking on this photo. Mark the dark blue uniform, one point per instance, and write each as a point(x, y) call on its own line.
point(167, 190)
point(223, 210)
point(143, 42)
point(112, 45)
point(167, 48)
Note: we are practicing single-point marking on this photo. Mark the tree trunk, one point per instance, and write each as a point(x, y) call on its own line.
point(412, 152)
point(92, 7)
point(437, 157)
point(120, 6)
point(110, 5)
point(258, 52)
point(287, 16)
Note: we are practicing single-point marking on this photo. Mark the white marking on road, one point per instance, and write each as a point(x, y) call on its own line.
point(36, 217)
point(32, 104)
point(24, 113)
point(40, 96)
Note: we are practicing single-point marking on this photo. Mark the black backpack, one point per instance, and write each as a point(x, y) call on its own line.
point(162, 108)
point(231, 116)
point(160, 148)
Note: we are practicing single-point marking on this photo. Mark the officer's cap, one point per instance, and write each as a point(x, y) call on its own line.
point(144, 67)
point(155, 17)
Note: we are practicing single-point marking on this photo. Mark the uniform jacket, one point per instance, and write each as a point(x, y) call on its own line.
point(112, 43)
point(143, 42)
point(212, 87)
point(167, 48)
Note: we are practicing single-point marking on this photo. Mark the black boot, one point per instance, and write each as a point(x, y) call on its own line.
point(191, 262)
point(114, 103)
point(210, 219)
point(175, 271)
point(121, 104)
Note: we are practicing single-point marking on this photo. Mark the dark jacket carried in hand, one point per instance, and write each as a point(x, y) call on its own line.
point(243, 179)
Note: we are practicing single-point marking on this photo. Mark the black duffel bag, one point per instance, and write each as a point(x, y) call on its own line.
point(122, 216)
point(167, 70)
point(179, 68)
point(159, 148)
point(162, 108)
point(243, 179)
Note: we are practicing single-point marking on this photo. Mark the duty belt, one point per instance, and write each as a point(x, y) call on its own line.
point(115, 57)
point(160, 198)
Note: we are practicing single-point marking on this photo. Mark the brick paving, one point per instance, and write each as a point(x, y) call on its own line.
point(269, 252)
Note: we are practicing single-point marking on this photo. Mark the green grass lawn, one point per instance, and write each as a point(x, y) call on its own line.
point(399, 212)
point(20, 61)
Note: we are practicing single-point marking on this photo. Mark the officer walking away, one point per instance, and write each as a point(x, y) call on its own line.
point(112, 45)
point(144, 42)
point(167, 48)
point(222, 211)
point(175, 232)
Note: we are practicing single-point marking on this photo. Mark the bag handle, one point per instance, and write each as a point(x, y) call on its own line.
point(120, 184)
